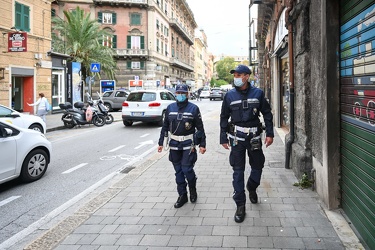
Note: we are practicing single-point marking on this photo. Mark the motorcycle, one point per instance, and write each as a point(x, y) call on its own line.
point(81, 115)
point(99, 104)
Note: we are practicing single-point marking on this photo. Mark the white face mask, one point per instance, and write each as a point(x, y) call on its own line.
point(238, 82)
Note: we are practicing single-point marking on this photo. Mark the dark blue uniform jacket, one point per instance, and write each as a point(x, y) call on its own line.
point(243, 107)
point(183, 118)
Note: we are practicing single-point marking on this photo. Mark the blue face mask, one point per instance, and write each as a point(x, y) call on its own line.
point(181, 97)
point(238, 82)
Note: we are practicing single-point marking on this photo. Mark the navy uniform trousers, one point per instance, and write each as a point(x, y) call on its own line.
point(237, 160)
point(183, 160)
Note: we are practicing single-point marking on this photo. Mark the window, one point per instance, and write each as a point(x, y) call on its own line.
point(110, 41)
point(135, 65)
point(136, 42)
point(135, 19)
point(22, 17)
point(107, 18)
point(157, 45)
point(157, 24)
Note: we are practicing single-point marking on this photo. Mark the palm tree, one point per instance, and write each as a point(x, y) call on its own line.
point(81, 38)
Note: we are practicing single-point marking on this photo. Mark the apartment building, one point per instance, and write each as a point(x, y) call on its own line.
point(25, 65)
point(152, 39)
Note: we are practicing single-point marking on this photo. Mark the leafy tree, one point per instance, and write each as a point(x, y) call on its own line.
point(80, 37)
point(223, 67)
point(218, 83)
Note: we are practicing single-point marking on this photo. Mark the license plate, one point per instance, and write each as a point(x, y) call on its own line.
point(137, 113)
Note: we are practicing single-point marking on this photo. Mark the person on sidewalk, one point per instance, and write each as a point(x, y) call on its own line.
point(183, 125)
point(42, 106)
point(242, 105)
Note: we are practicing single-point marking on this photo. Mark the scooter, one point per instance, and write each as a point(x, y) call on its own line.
point(81, 115)
point(103, 109)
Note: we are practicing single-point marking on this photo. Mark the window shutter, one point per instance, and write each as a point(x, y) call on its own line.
point(100, 17)
point(26, 18)
point(114, 41)
point(114, 18)
point(142, 64)
point(129, 64)
point(18, 12)
point(142, 42)
point(129, 42)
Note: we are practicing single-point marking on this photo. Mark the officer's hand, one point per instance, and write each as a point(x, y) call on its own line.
point(268, 141)
point(202, 150)
point(160, 148)
point(225, 145)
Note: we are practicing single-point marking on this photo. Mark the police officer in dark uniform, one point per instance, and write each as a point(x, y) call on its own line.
point(239, 120)
point(183, 130)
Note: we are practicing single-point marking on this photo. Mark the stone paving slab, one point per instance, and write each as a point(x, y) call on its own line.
point(140, 212)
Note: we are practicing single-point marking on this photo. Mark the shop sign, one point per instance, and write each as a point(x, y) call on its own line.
point(17, 42)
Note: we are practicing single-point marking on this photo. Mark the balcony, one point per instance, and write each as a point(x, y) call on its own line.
point(125, 3)
point(143, 53)
point(181, 30)
point(177, 63)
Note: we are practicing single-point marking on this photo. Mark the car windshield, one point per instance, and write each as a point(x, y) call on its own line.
point(4, 111)
point(142, 97)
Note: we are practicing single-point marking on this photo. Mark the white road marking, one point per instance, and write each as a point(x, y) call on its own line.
point(141, 144)
point(10, 199)
point(115, 149)
point(144, 135)
point(75, 168)
point(48, 217)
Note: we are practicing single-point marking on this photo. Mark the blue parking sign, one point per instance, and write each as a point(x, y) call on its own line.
point(95, 67)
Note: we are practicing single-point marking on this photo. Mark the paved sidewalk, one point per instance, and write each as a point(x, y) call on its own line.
point(138, 213)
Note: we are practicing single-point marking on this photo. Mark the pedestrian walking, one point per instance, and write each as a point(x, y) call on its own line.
point(182, 131)
point(243, 105)
point(42, 103)
point(199, 94)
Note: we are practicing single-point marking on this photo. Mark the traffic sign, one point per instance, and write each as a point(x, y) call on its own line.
point(95, 67)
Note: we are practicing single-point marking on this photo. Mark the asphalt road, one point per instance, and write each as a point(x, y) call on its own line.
point(84, 162)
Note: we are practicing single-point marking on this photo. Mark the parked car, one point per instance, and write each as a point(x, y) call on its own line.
point(217, 93)
point(113, 99)
point(205, 93)
point(24, 153)
point(146, 106)
point(22, 120)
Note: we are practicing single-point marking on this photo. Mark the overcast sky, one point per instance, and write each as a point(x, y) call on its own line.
point(226, 24)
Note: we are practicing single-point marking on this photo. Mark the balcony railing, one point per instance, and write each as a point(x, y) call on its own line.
point(122, 2)
point(131, 52)
point(181, 30)
point(175, 62)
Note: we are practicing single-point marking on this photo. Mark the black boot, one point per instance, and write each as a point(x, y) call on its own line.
point(253, 197)
point(181, 201)
point(193, 194)
point(240, 214)
point(252, 194)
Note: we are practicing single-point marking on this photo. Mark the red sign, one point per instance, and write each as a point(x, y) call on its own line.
point(17, 42)
point(134, 83)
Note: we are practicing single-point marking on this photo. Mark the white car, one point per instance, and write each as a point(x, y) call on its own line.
point(24, 153)
point(22, 120)
point(146, 106)
point(205, 93)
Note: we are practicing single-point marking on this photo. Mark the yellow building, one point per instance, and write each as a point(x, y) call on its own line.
point(25, 67)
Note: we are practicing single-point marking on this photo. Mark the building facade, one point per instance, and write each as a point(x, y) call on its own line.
point(152, 39)
point(25, 65)
point(317, 65)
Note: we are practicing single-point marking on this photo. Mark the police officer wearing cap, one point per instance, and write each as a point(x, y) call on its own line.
point(240, 130)
point(183, 131)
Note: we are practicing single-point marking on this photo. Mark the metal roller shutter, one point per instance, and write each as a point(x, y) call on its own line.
point(357, 103)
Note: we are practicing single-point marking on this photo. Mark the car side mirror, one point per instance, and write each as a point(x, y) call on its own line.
point(6, 132)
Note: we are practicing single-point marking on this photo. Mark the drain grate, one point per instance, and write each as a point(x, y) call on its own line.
point(127, 170)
